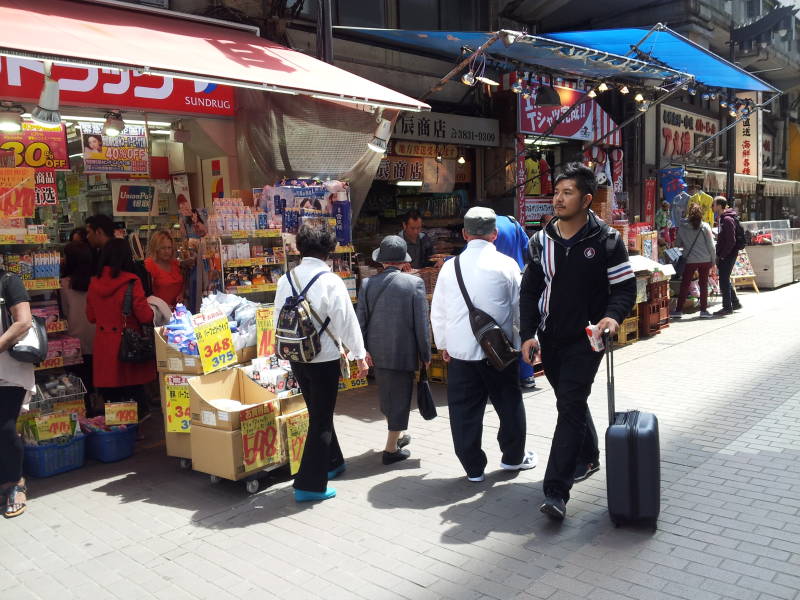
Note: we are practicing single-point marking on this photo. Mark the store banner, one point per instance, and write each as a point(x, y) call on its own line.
point(17, 193)
point(681, 131)
point(650, 201)
point(537, 120)
point(46, 187)
point(126, 153)
point(749, 141)
point(445, 128)
point(22, 79)
point(37, 147)
point(421, 149)
point(673, 182)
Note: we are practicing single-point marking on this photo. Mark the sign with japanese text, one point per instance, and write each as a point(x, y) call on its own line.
point(397, 168)
point(125, 153)
point(179, 415)
point(70, 407)
point(121, 413)
point(215, 342)
point(260, 441)
point(37, 147)
point(22, 79)
point(681, 131)
point(537, 120)
point(46, 188)
point(54, 425)
point(769, 155)
point(265, 331)
point(533, 209)
point(749, 142)
point(447, 129)
point(17, 192)
point(650, 200)
point(296, 433)
point(421, 149)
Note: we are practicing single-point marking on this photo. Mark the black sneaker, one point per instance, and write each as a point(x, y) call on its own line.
point(554, 507)
point(529, 383)
point(389, 458)
point(737, 306)
point(404, 441)
point(723, 312)
point(584, 471)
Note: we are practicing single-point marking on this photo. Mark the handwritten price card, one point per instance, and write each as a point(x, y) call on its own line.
point(71, 406)
point(265, 331)
point(122, 413)
point(260, 442)
point(54, 425)
point(296, 433)
point(179, 415)
point(214, 341)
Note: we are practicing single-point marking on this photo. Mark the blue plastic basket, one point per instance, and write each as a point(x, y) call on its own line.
point(52, 459)
point(111, 446)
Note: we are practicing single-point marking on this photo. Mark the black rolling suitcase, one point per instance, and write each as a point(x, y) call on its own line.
point(633, 460)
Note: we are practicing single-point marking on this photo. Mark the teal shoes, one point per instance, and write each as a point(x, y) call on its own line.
point(335, 472)
point(303, 496)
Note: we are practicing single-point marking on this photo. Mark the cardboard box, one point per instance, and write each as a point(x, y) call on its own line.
point(218, 452)
point(292, 404)
point(178, 444)
point(169, 360)
point(230, 384)
point(284, 433)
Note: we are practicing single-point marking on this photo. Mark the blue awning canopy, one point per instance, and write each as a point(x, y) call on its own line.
point(567, 57)
point(670, 48)
point(591, 54)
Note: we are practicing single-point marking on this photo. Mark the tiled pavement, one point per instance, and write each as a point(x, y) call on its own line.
point(728, 398)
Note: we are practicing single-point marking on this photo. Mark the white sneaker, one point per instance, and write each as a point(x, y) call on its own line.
point(529, 462)
point(479, 478)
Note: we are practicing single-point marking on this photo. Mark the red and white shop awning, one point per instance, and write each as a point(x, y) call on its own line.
point(108, 36)
point(603, 124)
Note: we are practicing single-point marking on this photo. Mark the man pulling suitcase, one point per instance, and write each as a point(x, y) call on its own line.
point(579, 274)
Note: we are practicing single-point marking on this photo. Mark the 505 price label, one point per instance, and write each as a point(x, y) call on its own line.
point(215, 343)
point(122, 413)
point(179, 414)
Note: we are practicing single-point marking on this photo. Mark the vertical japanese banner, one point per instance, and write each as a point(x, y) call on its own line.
point(749, 141)
point(265, 331)
point(296, 433)
point(519, 178)
point(260, 441)
point(649, 201)
point(46, 188)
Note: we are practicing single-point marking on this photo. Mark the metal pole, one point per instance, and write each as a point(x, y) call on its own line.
point(730, 140)
point(324, 31)
point(460, 66)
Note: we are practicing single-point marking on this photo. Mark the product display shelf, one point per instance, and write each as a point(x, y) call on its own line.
point(23, 239)
point(42, 285)
point(59, 326)
point(57, 362)
point(256, 233)
point(255, 289)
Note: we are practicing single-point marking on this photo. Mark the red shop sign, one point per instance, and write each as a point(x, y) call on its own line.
point(537, 120)
point(21, 80)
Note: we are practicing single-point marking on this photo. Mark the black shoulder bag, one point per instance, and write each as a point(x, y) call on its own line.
point(33, 347)
point(135, 347)
point(490, 336)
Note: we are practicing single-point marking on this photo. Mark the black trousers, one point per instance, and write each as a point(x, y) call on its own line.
point(319, 383)
point(469, 385)
point(570, 368)
point(11, 448)
point(128, 393)
point(725, 267)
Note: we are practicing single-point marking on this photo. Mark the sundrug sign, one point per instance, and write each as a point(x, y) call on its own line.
point(21, 80)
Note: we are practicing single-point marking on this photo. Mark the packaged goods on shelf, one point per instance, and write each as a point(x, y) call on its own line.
point(46, 309)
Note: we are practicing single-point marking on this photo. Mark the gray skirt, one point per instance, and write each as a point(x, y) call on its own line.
point(395, 389)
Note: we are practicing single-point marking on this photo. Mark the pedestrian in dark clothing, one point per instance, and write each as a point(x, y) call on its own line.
point(726, 255)
point(594, 283)
point(393, 314)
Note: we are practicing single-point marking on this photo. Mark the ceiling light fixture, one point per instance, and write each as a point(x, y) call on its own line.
point(46, 112)
point(516, 87)
point(468, 78)
point(408, 183)
point(602, 87)
point(644, 106)
point(114, 125)
point(381, 138)
point(624, 90)
point(546, 95)
point(461, 160)
point(592, 94)
point(508, 37)
point(639, 97)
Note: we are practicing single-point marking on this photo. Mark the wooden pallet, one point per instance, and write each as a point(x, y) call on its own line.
point(628, 332)
point(745, 280)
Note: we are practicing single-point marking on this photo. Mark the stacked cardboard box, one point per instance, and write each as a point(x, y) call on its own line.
point(602, 205)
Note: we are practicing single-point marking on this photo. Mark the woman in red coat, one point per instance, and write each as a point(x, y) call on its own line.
point(118, 381)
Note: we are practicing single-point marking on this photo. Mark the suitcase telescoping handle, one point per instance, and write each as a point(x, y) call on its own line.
point(608, 343)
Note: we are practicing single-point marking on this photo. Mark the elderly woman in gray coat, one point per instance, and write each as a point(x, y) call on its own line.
point(393, 314)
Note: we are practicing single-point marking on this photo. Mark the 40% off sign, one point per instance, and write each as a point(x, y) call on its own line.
point(214, 341)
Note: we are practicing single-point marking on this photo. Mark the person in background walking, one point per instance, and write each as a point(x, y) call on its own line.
point(513, 242)
point(492, 282)
point(164, 268)
point(420, 246)
point(579, 273)
point(16, 381)
point(118, 381)
point(694, 236)
point(319, 379)
point(726, 255)
point(393, 314)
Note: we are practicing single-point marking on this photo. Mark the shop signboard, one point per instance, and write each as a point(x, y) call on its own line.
point(533, 209)
point(46, 188)
point(650, 200)
point(132, 199)
point(260, 441)
point(22, 79)
point(443, 128)
point(673, 182)
point(398, 168)
point(37, 147)
point(749, 143)
point(296, 433)
point(768, 145)
point(126, 153)
point(537, 120)
point(681, 131)
point(17, 192)
point(422, 149)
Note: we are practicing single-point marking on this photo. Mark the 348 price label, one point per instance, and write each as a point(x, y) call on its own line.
point(215, 342)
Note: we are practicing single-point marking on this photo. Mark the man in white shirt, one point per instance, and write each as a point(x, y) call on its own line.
point(319, 379)
point(492, 281)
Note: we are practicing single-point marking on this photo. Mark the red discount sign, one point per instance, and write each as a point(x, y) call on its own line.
point(17, 196)
point(37, 147)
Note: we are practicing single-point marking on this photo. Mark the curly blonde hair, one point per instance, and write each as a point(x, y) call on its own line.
point(155, 242)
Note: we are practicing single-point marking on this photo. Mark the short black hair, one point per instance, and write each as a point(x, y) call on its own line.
point(78, 265)
point(316, 243)
point(101, 222)
point(411, 215)
point(117, 255)
point(81, 231)
point(583, 177)
point(720, 201)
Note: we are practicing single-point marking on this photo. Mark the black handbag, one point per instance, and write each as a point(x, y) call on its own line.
point(425, 403)
point(135, 347)
point(494, 342)
point(33, 347)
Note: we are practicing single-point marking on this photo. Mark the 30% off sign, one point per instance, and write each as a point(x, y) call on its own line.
point(215, 342)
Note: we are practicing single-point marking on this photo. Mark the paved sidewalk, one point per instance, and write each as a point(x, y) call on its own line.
point(727, 395)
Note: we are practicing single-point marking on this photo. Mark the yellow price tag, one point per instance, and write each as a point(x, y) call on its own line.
point(179, 415)
point(122, 413)
point(260, 442)
point(215, 342)
point(265, 331)
point(296, 433)
point(54, 425)
point(71, 406)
